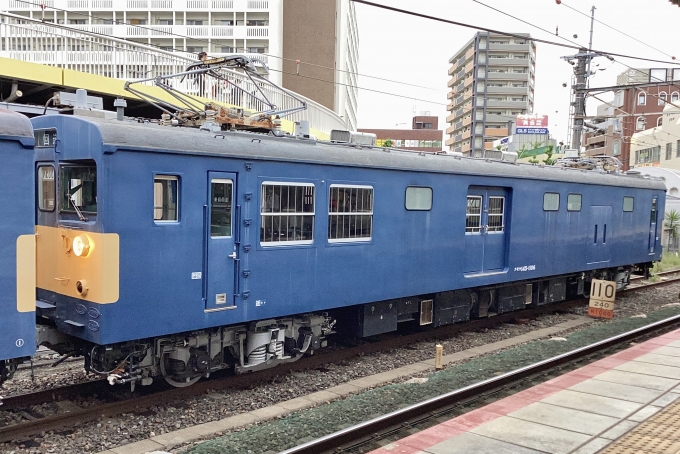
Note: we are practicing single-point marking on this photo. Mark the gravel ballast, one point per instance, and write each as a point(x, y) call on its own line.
point(118, 431)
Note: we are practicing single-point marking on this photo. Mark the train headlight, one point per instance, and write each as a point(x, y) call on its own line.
point(81, 246)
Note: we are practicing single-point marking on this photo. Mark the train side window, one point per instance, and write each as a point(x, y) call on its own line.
point(286, 213)
point(418, 198)
point(551, 201)
point(46, 188)
point(165, 198)
point(628, 203)
point(78, 187)
point(350, 213)
point(574, 202)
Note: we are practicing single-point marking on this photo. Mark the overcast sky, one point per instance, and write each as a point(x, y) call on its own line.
point(417, 51)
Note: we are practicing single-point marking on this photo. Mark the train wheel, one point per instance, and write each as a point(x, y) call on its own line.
point(177, 381)
point(182, 382)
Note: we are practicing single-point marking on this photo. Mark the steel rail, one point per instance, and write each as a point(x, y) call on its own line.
point(169, 396)
point(396, 419)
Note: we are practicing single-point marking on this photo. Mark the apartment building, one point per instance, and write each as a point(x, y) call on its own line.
point(323, 38)
point(492, 81)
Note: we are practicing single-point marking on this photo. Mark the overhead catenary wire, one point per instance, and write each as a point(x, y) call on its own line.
point(499, 32)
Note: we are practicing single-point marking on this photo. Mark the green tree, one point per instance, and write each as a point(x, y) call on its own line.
point(672, 221)
point(549, 160)
point(387, 143)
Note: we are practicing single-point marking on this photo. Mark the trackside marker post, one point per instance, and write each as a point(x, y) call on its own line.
point(438, 357)
point(602, 295)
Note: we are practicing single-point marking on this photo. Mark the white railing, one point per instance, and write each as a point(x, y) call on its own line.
point(222, 4)
point(258, 4)
point(257, 31)
point(65, 47)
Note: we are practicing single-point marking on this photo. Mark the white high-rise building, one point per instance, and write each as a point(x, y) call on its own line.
point(322, 34)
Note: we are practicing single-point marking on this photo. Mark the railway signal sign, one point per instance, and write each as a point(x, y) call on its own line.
point(602, 295)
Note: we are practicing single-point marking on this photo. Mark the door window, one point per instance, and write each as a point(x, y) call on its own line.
point(46, 188)
point(473, 218)
point(496, 212)
point(220, 207)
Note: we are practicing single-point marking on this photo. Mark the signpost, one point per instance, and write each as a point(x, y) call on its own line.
point(602, 295)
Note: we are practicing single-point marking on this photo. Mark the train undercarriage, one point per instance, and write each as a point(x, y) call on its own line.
point(183, 359)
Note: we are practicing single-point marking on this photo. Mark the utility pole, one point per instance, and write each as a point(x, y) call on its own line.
point(579, 85)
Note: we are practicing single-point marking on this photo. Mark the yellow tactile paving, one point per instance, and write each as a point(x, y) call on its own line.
point(660, 434)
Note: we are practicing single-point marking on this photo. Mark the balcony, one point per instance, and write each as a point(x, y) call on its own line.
point(496, 132)
point(601, 138)
point(510, 47)
point(595, 151)
point(145, 5)
point(467, 121)
point(507, 90)
point(459, 113)
point(458, 138)
point(508, 76)
point(460, 87)
point(459, 125)
point(450, 117)
point(508, 62)
point(449, 142)
point(491, 104)
point(452, 69)
point(450, 130)
point(470, 52)
point(466, 135)
point(469, 66)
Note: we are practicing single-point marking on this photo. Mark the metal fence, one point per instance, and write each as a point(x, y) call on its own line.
point(65, 47)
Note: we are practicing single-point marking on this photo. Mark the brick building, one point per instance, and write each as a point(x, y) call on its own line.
point(424, 135)
point(635, 108)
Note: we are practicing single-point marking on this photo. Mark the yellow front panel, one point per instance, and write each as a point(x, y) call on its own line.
point(26, 273)
point(94, 277)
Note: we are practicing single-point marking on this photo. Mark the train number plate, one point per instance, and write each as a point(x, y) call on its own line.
point(602, 295)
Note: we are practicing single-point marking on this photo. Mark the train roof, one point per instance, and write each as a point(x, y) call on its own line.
point(130, 135)
point(15, 125)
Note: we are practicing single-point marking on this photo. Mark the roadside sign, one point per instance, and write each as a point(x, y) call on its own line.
point(602, 295)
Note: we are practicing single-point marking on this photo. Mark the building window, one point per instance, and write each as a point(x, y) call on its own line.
point(427, 125)
point(194, 22)
point(418, 198)
point(227, 50)
point(642, 99)
point(676, 74)
point(647, 155)
point(574, 202)
point(628, 203)
point(640, 123)
point(165, 198)
point(662, 98)
point(669, 151)
point(551, 201)
point(616, 148)
point(675, 96)
point(350, 213)
point(165, 22)
point(677, 149)
point(194, 49)
point(286, 213)
point(657, 75)
point(659, 121)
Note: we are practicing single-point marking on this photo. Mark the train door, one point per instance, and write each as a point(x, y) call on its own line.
point(221, 251)
point(652, 226)
point(600, 234)
point(485, 230)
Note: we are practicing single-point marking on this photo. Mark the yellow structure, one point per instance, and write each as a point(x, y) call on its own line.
point(69, 79)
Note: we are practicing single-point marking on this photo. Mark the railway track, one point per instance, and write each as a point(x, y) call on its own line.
point(428, 413)
point(157, 395)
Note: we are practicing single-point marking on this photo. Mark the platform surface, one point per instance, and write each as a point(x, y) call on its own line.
point(625, 403)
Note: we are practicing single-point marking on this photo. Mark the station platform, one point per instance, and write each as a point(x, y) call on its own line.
point(625, 403)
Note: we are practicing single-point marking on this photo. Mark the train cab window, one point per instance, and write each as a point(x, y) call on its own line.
point(220, 207)
point(78, 186)
point(350, 213)
point(165, 198)
point(628, 203)
point(286, 213)
point(46, 188)
point(574, 202)
point(551, 201)
point(418, 198)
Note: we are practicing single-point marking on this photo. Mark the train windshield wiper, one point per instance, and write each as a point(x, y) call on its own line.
point(73, 202)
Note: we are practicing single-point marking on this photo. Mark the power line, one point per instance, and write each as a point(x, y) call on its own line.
point(513, 35)
point(617, 30)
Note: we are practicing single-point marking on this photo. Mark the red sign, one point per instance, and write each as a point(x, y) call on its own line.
point(532, 120)
point(599, 312)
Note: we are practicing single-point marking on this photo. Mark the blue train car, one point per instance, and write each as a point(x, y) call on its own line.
point(17, 243)
point(184, 251)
